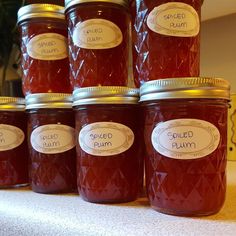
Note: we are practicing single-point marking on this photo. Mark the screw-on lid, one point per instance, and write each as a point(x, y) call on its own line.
point(105, 95)
point(180, 88)
point(48, 100)
point(69, 3)
point(40, 10)
point(12, 103)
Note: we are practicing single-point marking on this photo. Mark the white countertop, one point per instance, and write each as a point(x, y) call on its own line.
point(23, 212)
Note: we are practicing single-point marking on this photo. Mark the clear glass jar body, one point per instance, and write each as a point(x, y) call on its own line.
point(93, 62)
point(113, 177)
point(13, 149)
point(188, 187)
point(51, 171)
point(44, 61)
point(167, 53)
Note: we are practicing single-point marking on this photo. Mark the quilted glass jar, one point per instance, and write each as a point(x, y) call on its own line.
point(98, 42)
point(44, 61)
point(185, 133)
point(13, 143)
point(109, 144)
point(51, 142)
point(166, 39)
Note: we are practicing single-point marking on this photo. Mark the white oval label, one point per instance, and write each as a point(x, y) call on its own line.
point(105, 138)
point(53, 139)
point(174, 19)
point(10, 137)
point(97, 34)
point(185, 138)
point(48, 46)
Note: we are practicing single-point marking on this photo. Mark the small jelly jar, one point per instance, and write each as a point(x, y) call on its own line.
point(109, 144)
point(185, 133)
point(51, 141)
point(13, 143)
point(98, 42)
point(166, 39)
point(45, 63)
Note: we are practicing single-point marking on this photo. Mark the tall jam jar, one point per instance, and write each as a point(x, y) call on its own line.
point(13, 143)
point(98, 42)
point(51, 142)
point(45, 63)
point(185, 133)
point(166, 39)
point(109, 144)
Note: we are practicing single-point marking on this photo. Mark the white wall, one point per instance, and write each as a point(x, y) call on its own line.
point(218, 49)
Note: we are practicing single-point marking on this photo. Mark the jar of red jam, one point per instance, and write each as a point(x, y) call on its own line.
point(166, 39)
point(51, 141)
point(185, 133)
point(98, 42)
point(13, 143)
point(109, 153)
point(45, 62)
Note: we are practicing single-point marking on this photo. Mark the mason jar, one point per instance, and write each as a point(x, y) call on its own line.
point(44, 60)
point(98, 42)
point(13, 143)
point(185, 133)
point(51, 142)
point(165, 38)
point(108, 144)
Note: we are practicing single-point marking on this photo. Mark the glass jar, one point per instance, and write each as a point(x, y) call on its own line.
point(98, 42)
point(166, 39)
point(51, 142)
point(13, 143)
point(109, 151)
point(185, 135)
point(45, 63)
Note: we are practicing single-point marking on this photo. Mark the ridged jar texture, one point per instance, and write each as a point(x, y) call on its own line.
point(51, 173)
point(99, 67)
point(114, 178)
point(43, 76)
point(157, 56)
point(14, 162)
point(186, 187)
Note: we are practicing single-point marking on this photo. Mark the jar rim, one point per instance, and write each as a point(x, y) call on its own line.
point(70, 3)
point(48, 100)
point(12, 103)
point(186, 87)
point(40, 10)
point(105, 95)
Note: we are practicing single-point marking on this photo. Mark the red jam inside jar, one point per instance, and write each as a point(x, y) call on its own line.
point(45, 63)
point(98, 42)
point(13, 143)
point(51, 143)
point(109, 153)
point(185, 132)
point(166, 39)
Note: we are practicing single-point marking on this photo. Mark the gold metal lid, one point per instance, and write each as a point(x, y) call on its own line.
point(48, 100)
point(12, 103)
point(40, 10)
point(188, 87)
point(70, 3)
point(105, 95)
